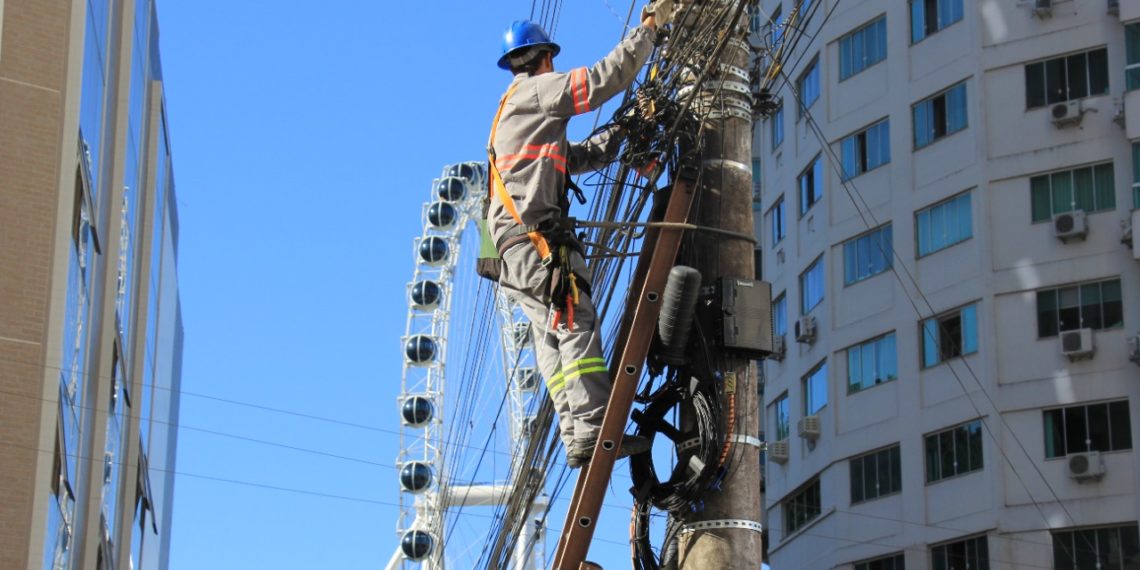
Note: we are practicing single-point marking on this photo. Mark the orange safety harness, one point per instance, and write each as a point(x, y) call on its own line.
point(561, 272)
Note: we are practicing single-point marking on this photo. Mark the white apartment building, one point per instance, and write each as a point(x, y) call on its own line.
point(968, 396)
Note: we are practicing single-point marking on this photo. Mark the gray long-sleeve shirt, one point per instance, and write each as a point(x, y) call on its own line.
point(531, 151)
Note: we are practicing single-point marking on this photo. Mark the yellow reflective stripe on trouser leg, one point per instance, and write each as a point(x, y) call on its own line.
point(574, 370)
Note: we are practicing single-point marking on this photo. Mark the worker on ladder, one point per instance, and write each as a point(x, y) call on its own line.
point(542, 267)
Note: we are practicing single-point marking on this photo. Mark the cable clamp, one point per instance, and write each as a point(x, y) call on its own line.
point(735, 438)
point(722, 523)
point(730, 113)
point(737, 71)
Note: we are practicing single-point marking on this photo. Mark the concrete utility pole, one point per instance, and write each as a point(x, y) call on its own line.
point(726, 202)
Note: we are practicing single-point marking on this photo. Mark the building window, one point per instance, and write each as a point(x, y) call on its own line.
point(1090, 188)
point(954, 451)
point(755, 22)
point(810, 183)
point(808, 87)
point(758, 263)
point(777, 29)
point(757, 177)
point(783, 420)
point(867, 255)
point(811, 286)
point(969, 554)
point(876, 475)
point(1105, 548)
point(1066, 78)
point(944, 224)
point(815, 389)
point(780, 315)
point(779, 221)
point(892, 562)
point(1136, 175)
point(930, 16)
point(778, 127)
point(1093, 427)
point(866, 150)
point(872, 363)
point(1132, 56)
point(941, 115)
point(950, 335)
point(863, 48)
point(1095, 305)
point(802, 507)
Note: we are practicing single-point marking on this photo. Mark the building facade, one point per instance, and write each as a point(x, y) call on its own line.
point(946, 198)
point(90, 318)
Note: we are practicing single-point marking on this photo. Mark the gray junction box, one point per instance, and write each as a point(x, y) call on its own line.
point(744, 311)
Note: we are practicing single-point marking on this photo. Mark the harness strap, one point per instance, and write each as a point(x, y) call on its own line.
point(500, 189)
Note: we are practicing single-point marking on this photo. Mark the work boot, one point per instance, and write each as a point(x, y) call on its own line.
point(580, 452)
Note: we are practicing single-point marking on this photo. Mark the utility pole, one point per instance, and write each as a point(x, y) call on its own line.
point(725, 202)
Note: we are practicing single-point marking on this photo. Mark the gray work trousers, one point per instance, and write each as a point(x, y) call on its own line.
point(571, 361)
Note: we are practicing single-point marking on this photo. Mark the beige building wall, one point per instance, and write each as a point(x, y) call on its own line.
point(1001, 267)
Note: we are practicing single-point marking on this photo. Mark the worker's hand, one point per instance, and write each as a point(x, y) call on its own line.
point(658, 13)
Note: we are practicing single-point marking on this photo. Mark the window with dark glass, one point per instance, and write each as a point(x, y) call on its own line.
point(1089, 188)
point(1132, 56)
point(779, 221)
point(969, 554)
point(1066, 78)
point(802, 507)
point(875, 475)
point(777, 127)
point(781, 417)
point(1106, 426)
point(892, 562)
point(1095, 305)
point(1136, 175)
point(953, 452)
point(1103, 548)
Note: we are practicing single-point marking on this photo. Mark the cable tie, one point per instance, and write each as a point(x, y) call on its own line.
point(722, 523)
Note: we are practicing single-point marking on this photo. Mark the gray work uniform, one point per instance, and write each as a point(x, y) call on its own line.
point(534, 158)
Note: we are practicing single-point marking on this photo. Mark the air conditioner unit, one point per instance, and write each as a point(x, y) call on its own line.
point(779, 349)
point(1070, 225)
point(1134, 349)
point(805, 330)
point(1043, 8)
point(778, 451)
point(1087, 465)
point(1066, 114)
point(1114, 7)
point(808, 427)
point(1077, 344)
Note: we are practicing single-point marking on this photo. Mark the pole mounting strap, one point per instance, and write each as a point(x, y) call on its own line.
point(722, 523)
point(735, 438)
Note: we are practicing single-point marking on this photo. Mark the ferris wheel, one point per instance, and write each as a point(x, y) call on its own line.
point(432, 488)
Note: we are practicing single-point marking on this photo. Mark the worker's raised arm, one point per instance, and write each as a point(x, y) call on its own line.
point(585, 89)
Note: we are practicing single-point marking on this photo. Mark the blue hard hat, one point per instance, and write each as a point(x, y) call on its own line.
point(524, 34)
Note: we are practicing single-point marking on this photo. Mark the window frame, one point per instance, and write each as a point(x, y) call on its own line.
point(946, 128)
point(860, 345)
point(898, 561)
point(812, 68)
point(861, 149)
point(963, 349)
point(1064, 59)
point(806, 381)
point(887, 253)
point(810, 169)
point(1073, 537)
point(784, 401)
point(850, 36)
point(1057, 289)
point(985, 541)
point(777, 127)
point(804, 309)
point(1131, 68)
point(779, 205)
point(781, 300)
point(937, 435)
point(788, 504)
point(917, 226)
point(1093, 168)
point(1088, 428)
point(893, 453)
point(928, 33)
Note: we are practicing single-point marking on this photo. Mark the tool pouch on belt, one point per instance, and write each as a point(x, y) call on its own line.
point(564, 284)
point(489, 264)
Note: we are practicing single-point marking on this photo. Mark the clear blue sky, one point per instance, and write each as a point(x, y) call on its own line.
point(305, 141)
